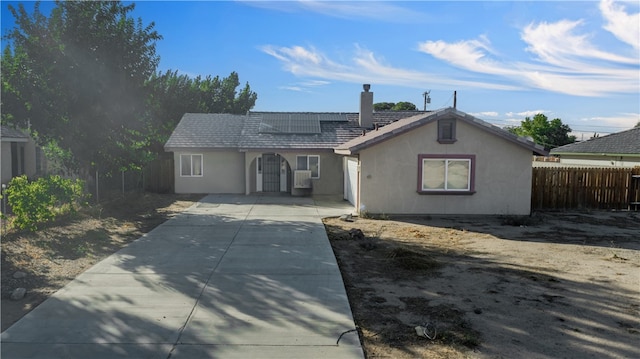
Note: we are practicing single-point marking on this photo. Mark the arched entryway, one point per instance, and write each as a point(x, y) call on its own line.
point(273, 173)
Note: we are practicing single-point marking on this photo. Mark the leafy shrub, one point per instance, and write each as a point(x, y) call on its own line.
point(40, 201)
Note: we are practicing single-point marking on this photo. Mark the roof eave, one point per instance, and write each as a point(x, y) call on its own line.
point(432, 117)
point(14, 139)
point(603, 154)
point(286, 149)
point(343, 151)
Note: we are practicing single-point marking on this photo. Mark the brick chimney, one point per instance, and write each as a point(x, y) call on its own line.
point(366, 107)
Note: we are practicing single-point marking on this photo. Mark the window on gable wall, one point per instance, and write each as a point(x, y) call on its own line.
point(447, 131)
point(191, 165)
point(452, 174)
point(310, 163)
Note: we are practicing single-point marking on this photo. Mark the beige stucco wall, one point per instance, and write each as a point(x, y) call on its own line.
point(330, 181)
point(223, 172)
point(389, 174)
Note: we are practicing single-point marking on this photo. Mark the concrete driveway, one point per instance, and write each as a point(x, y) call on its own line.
point(231, 277)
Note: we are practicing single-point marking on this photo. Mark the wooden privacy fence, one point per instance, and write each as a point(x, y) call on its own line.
point(577, 188)
point(158, 176)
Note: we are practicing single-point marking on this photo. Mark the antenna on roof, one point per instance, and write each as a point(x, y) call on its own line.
point(427, 99)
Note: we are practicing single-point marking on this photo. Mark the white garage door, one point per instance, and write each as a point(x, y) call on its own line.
point(351, 180)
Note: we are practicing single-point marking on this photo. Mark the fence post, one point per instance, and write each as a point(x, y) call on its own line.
point(4, 208)
point(97, 186)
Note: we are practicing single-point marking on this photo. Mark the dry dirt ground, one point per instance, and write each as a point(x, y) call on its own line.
point(57, 253)
point(557, 285)
point(554, 285)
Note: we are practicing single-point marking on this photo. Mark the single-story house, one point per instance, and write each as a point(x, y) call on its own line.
point(414, 162)
point(18, 154)
point(621, 149)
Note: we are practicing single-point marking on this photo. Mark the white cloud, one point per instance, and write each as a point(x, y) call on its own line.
point(361, 9)
point(484, 114)
point(293, 88)
point(305, 86)
point(315, 83)
point(557, 44)
point(467, 54)
point(364, 66)
point(603, 125)
point(513, 121)
point(529, 113)
point(379, 11)
point(564, 59)
point(624, 26)
point(621, 121)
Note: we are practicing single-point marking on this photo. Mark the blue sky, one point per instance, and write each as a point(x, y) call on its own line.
point(578, 61)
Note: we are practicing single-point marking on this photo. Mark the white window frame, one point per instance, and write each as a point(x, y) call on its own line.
point(191, 167)
point(308, 164)
point(470, 159)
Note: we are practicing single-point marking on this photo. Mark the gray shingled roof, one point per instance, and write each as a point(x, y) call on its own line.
point(625, 142)
point(201, 131)
point(402, 126)
point(331, 134)
point(9, 133)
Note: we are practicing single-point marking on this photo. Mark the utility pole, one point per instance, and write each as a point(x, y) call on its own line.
point(455, 99)
point(427, 99)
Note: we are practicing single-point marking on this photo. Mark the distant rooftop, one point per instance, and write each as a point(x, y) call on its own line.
point(625, 142)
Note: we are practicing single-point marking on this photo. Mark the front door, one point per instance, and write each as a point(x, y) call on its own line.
point(270, 172)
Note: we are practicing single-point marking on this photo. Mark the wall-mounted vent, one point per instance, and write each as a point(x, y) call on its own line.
point(302, 179)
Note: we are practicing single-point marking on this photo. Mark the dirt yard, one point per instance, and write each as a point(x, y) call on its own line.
point(555, 285)
point(54, 255)
point(558, 285)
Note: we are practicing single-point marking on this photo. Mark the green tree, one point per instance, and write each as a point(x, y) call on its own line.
point(383, 106)
point(547, 133)
point(391, 106)
point(173, 95)
point(220, 95)
point(404, 106)
point(78, 78)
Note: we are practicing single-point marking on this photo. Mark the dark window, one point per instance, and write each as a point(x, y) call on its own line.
point(447, 131)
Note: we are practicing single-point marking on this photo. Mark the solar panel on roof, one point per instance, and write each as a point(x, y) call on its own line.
point(285, 123)
point(333, 117)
